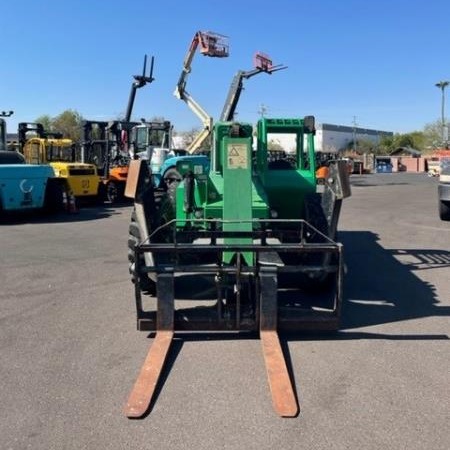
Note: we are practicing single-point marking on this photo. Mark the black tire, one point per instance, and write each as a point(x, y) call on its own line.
point(114, 192)
point(444, 210)
point(101, 194)
point(172, 176)
point(315, 216)
point(146, 284)
point(53, 200)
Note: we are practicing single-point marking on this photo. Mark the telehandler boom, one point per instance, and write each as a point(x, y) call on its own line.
point(262, 64)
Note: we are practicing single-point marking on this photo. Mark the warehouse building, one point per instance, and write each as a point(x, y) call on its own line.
point(333, 138)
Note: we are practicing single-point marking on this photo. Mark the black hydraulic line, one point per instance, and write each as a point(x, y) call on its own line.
point(189, 184)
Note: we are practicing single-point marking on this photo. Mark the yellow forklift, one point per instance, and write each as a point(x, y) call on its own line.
point(41, 147)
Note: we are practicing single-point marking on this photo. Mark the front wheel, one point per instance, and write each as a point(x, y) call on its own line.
point(134, 239)
point(444, 210)
point(172, 176)
point(114, 192)
point(53, 201)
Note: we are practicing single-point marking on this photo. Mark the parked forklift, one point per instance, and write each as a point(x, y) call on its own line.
point(81, 180)
point(106, 144)
point(256, 231)
point(25, 187)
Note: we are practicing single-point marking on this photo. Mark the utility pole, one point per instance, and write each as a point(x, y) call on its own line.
point(354, 133)
point(262, 110)
point(442, 85)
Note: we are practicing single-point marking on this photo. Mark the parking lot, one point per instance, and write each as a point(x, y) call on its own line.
point(70, 352)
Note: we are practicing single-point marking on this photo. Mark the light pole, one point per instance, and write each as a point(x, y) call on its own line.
point(442, 85)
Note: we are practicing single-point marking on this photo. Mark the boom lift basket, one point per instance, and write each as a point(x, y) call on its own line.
point(262, 61)
point(213, 44)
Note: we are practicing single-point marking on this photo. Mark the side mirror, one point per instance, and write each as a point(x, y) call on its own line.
point(309, 124)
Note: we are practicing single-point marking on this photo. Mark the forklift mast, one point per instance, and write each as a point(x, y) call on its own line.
point(25, 127)
point(3, 128)
point(139, 81)
point(100, 138)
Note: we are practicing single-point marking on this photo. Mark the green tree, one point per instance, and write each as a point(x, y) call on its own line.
point(386, 145)
point(403, 140)
point(433, 135)
point(415, 140)
point(361, 146)
point(69, 124)
point(419, 140)
point(46, 122)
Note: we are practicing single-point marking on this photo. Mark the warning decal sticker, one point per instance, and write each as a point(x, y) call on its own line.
point(237, 156)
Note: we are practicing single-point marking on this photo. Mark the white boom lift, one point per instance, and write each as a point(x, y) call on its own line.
point(210, 44)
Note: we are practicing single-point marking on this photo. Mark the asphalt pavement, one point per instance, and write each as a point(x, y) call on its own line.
point(70, 351)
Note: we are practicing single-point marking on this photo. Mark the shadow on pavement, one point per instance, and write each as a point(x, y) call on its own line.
point(380, 287)
point(83, 214)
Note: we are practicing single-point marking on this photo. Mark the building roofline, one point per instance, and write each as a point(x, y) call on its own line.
point(347, 129)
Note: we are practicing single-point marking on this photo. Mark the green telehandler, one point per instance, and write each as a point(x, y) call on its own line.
point(257, 229)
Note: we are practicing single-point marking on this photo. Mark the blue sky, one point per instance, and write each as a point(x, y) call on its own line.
point(372, 62)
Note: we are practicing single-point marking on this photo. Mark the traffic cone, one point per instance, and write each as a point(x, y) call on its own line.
point(72, 204)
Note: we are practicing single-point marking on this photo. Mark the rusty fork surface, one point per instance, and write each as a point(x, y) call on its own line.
point(283, 396)
point(144, 388)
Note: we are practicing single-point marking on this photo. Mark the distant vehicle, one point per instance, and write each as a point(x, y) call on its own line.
point(78, 179)
point(384, 167)
point(152, 141)
point(26, 187)
point(444, 189)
